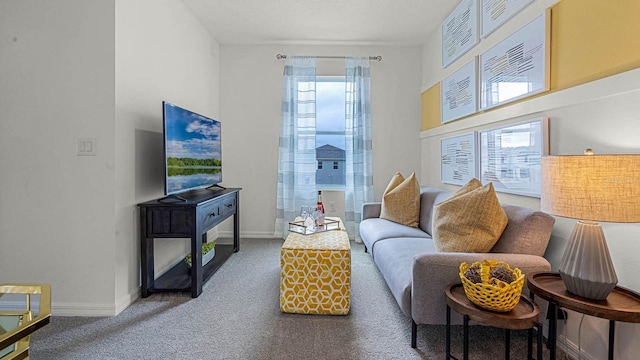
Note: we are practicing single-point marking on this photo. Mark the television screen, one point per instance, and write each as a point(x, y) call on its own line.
point(192, 150)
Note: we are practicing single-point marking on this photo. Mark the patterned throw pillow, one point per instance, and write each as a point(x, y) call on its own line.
point(471, 220)
point(401, 200)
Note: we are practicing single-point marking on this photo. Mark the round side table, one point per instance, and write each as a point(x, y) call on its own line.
point(621, 305)
point(524, 316)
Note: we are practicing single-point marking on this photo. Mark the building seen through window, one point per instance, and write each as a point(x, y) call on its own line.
point(330, 130)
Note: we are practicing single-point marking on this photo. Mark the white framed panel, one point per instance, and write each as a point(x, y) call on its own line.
point(460, 31)
point(458, 93)
point(494, 13)
point(518, 66)
point(458, 157)
point(510, 156)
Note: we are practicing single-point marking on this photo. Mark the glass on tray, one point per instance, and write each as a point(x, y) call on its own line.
point(301, 228)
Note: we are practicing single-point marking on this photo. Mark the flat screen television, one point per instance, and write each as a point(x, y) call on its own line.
point(192, 150)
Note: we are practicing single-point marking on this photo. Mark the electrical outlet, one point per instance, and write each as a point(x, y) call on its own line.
point(560, 314)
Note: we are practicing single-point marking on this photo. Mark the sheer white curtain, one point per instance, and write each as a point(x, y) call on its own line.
point(297, 151)
point(358, 152)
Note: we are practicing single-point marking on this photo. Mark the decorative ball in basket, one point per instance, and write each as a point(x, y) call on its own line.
point(492, 284)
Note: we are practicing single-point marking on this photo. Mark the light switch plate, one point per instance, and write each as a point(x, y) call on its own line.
point(86, 146)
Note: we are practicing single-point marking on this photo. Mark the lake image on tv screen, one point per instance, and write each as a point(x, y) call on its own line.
point(193, 150)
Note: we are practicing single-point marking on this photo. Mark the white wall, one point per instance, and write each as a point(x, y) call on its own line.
point(162, 53)
point(56, 209)
point(601, 115)
point(78, 68)
point(101, 69)
point(250, 100)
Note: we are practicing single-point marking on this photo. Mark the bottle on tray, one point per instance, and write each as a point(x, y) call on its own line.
point(320, 207)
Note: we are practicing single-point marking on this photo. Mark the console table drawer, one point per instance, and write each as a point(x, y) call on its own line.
point(210, 215)
point(228, 205)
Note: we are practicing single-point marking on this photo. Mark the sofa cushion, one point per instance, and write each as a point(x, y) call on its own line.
point(401, 200)
point(395, 261)
point(471, 220)
point(527, 232)
point(375, 229)
point(429, 197)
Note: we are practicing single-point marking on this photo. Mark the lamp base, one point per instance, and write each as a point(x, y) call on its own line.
point(586, 267)
point(586, 288)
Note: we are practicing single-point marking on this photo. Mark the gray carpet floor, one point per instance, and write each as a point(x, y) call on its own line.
point(237, 317)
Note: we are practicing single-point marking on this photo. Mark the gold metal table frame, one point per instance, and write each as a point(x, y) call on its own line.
point(14, 341)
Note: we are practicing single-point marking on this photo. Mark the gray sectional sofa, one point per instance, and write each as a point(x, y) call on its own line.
point(417, 274)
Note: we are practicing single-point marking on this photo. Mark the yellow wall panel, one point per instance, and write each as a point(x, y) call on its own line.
point(431, 108)
point(590, 40)
point(593, 39)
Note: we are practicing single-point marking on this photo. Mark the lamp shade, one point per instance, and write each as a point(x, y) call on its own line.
point(592, 187)
point(596, 188)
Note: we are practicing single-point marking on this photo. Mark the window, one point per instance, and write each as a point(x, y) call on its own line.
point(330, 129)
point(337, 113)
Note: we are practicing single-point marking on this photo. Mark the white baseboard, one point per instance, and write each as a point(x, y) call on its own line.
point(247, 234)
point(95, 310)
point(67, 309)
point(566, 345)
point(108, 310)
point(127, 300)
point(572, 350)
point(82, 309)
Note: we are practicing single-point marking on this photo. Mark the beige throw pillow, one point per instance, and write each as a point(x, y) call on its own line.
point(471, 220)
point(401, 200)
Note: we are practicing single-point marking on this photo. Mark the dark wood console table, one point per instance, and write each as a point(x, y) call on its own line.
point(175, 218)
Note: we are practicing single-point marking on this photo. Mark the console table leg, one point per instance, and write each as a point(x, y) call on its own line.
point(236, 226)
point(196, 263)
point(147, 265)
point(146, 252)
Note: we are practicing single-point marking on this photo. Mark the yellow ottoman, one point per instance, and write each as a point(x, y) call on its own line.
point(315, 273)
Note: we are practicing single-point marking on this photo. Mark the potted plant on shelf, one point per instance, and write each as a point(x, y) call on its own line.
point(208, 252)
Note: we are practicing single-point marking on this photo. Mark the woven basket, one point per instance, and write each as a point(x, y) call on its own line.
point(492, 294)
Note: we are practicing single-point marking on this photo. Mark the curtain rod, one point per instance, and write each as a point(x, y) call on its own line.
point(376, 58)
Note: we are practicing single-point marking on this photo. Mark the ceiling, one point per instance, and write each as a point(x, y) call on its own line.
point(321, 22)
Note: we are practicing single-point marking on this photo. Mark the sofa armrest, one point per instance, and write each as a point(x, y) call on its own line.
point(371, 210)
point(433, 272)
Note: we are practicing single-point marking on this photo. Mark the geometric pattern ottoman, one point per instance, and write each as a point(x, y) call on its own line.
point(315, 273)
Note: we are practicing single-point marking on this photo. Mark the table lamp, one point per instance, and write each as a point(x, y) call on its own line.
point(590, 188)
